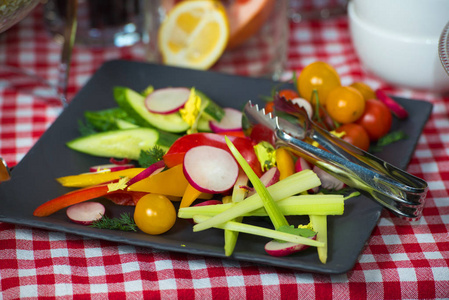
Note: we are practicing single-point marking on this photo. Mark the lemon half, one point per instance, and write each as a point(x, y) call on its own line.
point(194, 34)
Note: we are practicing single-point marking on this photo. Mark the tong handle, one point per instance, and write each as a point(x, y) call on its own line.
point(393, 188)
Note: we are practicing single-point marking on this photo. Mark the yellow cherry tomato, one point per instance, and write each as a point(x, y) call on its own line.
point(366, 91)
point(154, 214)
point(320, 76)
point(345, 104)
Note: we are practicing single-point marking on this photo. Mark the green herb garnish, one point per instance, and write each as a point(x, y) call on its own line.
point(151, 156)
point(85, 129)
point(124, 223)
point(388, 139)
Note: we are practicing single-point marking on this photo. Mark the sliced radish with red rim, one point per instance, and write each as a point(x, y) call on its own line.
point(110, 167)
point(85, 213)
point(268, 178)
point(275, 248)
point(395, 107)
point(231, 121)
point(155, 168)
point(167, 100)
point(210, 169)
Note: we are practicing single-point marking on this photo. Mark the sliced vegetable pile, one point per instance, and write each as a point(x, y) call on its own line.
point(175, 144)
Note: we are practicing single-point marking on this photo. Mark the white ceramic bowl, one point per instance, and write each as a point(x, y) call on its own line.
point(415, 18)
point(401, 60)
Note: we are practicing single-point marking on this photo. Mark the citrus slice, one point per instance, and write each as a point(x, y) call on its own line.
point(194, 34)
point(246, 17)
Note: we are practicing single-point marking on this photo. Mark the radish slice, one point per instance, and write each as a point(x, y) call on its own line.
point(210, 169)
point(327, 180)
point(302, 164)
point(167, 100)
point(85, 213)
point(110, 167)
point(153, 169)
point(209, 202)
point(395, 107)
point(231, 121)
point(304, 104)
point(275, 248)
point(119, 162)
point(268, 178)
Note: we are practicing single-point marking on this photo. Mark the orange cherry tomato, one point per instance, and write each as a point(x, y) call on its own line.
point(320, 76)
point(355, 134)
point(366, 91)
point(269, 107)
point(345, 104)
point(376, 119)
point(288, 94)
point(154, 214)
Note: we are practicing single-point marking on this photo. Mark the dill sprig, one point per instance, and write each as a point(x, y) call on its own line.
point(149, 157)
point(125, 223)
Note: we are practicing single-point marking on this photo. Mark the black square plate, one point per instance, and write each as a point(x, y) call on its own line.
point(33, 179)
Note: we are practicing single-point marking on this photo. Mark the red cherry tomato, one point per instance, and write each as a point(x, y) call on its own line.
point(355, 134)
point(376, 119)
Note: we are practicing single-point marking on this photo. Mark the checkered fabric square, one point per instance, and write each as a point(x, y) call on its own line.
point(400, 261)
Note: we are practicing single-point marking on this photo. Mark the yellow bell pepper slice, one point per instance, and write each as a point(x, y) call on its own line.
point(171, 182)
point(89, 179)
point(284, 163)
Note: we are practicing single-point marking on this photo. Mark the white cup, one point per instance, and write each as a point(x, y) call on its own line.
point(414, 18)
point(401, 50)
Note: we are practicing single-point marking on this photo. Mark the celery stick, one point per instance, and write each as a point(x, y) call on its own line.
point(261, 231)
point(291, 206)
point(230, 237)
point(238, 194)
point(276, 217)
point(319, 224)
point(292, 185)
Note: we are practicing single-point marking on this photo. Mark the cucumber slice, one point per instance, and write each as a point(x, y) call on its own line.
point(125, 143)
point(123, 124)
point(134, 104)
point(203, 124)
point(212, 110)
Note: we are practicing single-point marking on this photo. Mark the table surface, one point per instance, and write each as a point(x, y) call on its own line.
point(400, 260)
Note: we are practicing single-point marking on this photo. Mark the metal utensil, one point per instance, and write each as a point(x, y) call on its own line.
point(395, 189)
point(443, 48)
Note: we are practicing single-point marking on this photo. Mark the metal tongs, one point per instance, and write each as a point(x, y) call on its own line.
point(395, 189)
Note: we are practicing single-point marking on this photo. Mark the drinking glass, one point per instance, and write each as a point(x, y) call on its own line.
point(100, 23)
point(11, 12)
point(303, 10)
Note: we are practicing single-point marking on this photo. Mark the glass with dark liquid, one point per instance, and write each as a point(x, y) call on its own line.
point(101, 23)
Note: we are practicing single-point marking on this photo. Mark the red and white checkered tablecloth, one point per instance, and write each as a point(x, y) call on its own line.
point(400, 260)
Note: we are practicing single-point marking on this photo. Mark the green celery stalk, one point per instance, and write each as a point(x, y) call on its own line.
point(230, 238)
point(238, 194)
point(291, 206)
point(275, 214)
point(319, 224)
point(292, 185)
point(261, 231)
